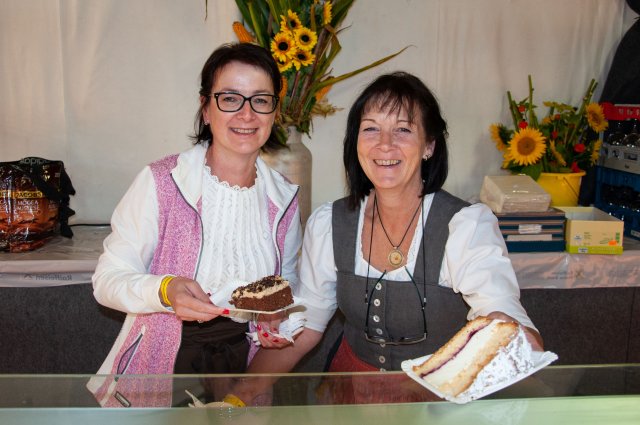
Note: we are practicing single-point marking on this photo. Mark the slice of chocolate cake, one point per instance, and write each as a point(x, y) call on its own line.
point(267, 294)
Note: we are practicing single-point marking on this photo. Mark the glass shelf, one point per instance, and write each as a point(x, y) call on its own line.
point(556, 394)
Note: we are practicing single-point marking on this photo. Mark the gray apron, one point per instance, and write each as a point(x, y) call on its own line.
point(395, 309)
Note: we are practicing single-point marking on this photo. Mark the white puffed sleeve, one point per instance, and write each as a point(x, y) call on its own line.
point(476, 264)
point(318, 277)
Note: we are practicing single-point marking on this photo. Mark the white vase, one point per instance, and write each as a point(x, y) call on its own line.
point(294, 162)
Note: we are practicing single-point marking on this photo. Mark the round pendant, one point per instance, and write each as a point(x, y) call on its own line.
point(395, 257)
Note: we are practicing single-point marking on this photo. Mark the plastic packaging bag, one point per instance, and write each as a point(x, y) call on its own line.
point(34, 203)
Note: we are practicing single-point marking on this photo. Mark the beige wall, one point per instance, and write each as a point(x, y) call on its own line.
point(108, 86)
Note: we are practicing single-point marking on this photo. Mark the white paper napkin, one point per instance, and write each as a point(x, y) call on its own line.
point(288, 328)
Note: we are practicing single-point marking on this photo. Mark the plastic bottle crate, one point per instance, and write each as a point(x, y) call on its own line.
point(618, 194)
point(620, 112)
point(618, 178)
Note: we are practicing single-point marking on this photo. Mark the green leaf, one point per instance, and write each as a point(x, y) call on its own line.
point(533, 170)
point(339, 11)
point(259, 23)
point(333, 80)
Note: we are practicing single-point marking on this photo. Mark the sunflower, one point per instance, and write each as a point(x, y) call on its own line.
point(595, 116)
point(496, 131)
point(305, 38)
point(282, 47)
point(284, 64)
point(303, 58)
point(506, 162)
point(595, 153)
point(291, 21)
point(326, 13)
point(527, 146)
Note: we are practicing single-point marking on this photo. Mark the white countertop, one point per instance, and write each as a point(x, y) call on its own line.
point(65, 261)
point(61, 261)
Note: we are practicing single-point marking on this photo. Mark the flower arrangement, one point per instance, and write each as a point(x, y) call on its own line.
point(302, 36)
point(566, 140)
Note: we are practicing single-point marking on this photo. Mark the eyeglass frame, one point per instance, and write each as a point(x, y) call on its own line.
point(275, 98)
point(402, 340)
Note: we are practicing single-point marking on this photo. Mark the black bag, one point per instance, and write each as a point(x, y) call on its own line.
point(34, 203)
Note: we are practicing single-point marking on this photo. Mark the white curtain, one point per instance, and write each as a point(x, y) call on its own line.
point(108, 86)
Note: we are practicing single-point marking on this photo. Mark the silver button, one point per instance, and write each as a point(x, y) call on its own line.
point(376, 302)
point(379, 331)
point(376, 318)
point(378, 286)
point(383, 369)
point(381, 359)
point(382, 345)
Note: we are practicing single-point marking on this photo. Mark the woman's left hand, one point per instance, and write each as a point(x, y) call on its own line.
point(532, 335)
point(267, 329)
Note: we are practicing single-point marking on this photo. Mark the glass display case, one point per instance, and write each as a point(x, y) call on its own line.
point(554, 395)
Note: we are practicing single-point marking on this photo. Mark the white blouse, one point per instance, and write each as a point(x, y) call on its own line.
point(475, 264)
point(233, 249)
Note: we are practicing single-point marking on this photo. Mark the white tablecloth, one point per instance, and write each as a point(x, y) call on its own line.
point(70, 261)
point(561, 270)
point(61, 261)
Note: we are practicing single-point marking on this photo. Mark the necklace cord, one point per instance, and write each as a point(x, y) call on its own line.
point(424, 271)
point(375, 204)
point(424, 263)
point(366, 297)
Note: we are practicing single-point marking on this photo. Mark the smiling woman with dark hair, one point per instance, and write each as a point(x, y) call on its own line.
point(406, 262)
point(395, 94)
point(194, 225)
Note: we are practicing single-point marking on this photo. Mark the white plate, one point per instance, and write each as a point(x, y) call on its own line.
point(237, 312)
point(540, 360)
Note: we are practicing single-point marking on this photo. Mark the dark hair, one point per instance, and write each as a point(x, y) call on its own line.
point(247, 53)
point(396, 91)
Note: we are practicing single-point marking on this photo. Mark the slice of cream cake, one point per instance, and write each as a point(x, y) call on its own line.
point(483, 353)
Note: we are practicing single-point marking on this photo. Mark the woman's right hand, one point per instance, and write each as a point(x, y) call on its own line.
point(189, 301)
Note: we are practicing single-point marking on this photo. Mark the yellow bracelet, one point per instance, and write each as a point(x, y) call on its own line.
point(163, 289)
point(233, 400)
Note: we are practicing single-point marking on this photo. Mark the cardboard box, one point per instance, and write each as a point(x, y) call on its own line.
point(592, 231)
point(519, 193)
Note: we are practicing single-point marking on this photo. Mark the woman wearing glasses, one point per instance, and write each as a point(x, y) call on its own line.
point(193, 223)
point(404, 261)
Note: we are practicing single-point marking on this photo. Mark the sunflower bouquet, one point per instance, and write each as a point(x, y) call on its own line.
point(302, 36)
point(566, 140)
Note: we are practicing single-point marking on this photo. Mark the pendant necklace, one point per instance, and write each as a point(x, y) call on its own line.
point(395, 256)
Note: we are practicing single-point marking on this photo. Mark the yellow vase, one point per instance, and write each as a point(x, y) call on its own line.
point(564, 188)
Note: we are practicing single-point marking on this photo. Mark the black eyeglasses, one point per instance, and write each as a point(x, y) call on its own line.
point(233, 102)
point(390, 340)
